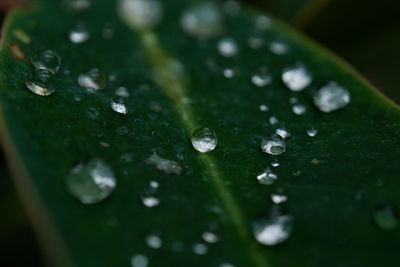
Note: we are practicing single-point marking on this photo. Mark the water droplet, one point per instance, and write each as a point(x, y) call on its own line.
point(91, 182)
point(232, 7)
point(262, 77)
point(204, 140)
point(293, 100)
point(77, 5)
point(119, 106)
point(312, 132)
point(263, 108)
point(150, 202)
point(122, 130)
point(278, 198)
point(255, 42)
point(282, 132)
point(38, 82)
point(228, 73)
point(275, 163)
point(227, 47)
point(165, 165)
point(273, 120)
point(278, 48)
point(331, 97)
point(386, 217)
point(153, 241)
point(274, 145)
point(225, 264)
point(297, 77)
point(139, 261)
point(200, 249)
point(79, 34)
point(108, 32)
point(266, 177)
point(140, 14)
point(47, 60)
point(154, 184)
point(210, 237)
point(273, 230)
point(122, 92)
point(263, 22)
point(202, 20)
point(299, 109)
point(94, 79)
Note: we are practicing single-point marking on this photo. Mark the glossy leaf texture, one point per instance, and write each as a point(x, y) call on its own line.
point(228, 81)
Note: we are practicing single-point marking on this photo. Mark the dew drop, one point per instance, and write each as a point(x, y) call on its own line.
point(122, 92)
point(79, 34)
point(94, 79)
point(204, 140)
point(210, 237)
point(139, 260)
point(140, 14)
point(263, 22)
point(312, 132)
point(278, 198)
point(297, 77)
point(275, 163)
point(299, 109)
point(255, 42)
point(150, 202)
point(38, 82)
point(119, 106)
point(386, 217)
point(228, 73)
point(202, 20)
point(331, 97)
point(225, 264)
point(274, 145)
point(273, 230)
point(47, 60)
point(273, 120)
point(278, 48)
point(227, 47)
point(263, 108)
point(200, 249)
point(282, 132)
point(266, 177)
point(91, 182)
point(153, 241)
point(262, 77)
point(165, 165)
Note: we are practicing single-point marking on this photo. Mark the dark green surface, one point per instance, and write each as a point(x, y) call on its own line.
point(357, 148)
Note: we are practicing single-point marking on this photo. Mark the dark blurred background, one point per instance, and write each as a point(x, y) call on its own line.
point(365, 33)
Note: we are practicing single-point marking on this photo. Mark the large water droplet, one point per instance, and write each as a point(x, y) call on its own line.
point(38, 82)
point(297, 77)
point(94, 79)
point(386, 217)
point(91, 182)
point(119, 106)
point(331, 97)
point(266, 177)
point(140, 14)
point(79, 34)
point(204, 140)
point(262, 77)
point(153, 241)
point(165, 165)
point(202, 20)
point(274, 145)
point(273, 230)
point(139, 261)
point(47, 60)
point(227, 47)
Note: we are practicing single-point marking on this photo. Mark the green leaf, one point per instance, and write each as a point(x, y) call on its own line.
point(334, 181)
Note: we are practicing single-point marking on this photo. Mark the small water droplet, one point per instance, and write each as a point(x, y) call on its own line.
point(200, 249)
point(225, 264)
point(165, 165)
point(255, 42)
point(274, 145)
point(204, 140)
point(278, 198)
point(273, 120)
point(139, 260)
point(119, 106)
point(38, 82)
point(386, 217)
point(273, 230)
point(141, 14)
point(297, 77)
point(267, 177)
point(331, 97)
point(278, 47)
point(275, 163)
point(153, 241)
point(79, 34)
point(263, 22)
point(228, 73)
point(154, 184)
point(94, 79)
point(108, 32)
point(91, 182)
point(77, 5)
point(122, 130)
point(299, 109)
point(122, 92)
point(227, 47)
point(263, 108)
point(210, 237)
point(150, 202)
point(282, 132)
point(202, 20)
point(47, 60)
point(312, 132)
point(262, 77)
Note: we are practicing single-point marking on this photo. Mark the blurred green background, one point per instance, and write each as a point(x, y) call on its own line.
point(365, 33)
